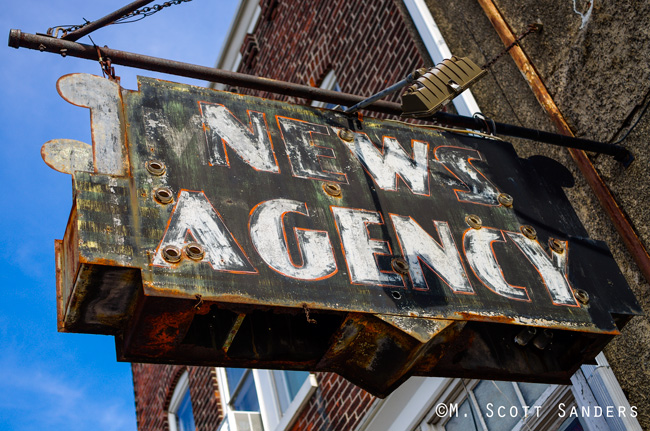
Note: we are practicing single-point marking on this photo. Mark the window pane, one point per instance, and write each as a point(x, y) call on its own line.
point(184, 415)
point(234, 375)
point(295, 380)
point(246, 398)
point(463, 420)
point(499, 404)
point(532, 391)
point(572, 424)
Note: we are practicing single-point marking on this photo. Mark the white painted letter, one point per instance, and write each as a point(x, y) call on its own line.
point(419, 248)
point(458, 161)
point(304, 155)
point(252, 144)
point(195, 216)
point(393, 162)
point(360, 249)
point(553, 270)
point(270, 240)
point(480, 255)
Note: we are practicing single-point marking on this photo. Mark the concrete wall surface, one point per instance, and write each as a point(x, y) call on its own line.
point(594, 58)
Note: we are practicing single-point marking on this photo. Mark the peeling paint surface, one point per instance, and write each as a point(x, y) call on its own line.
point(242, 221)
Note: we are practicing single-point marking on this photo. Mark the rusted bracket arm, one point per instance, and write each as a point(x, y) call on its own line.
point(18, 39)
point(619, 153)
point(102, 22)
point(410, 78)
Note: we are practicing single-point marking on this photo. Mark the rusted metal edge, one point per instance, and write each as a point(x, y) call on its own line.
point(626, 231)
point(102, 22)
point(19, 39)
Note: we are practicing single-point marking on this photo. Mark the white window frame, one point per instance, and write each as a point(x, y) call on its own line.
point(267, 394)
point(182, 386)
point(329, 83)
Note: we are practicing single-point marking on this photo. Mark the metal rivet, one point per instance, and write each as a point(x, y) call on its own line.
point(155, 167)
point(582, 296)
point(163, 195)
point(346, 135)
point(42, 47)
point(400, 266)
point(525, 335)
point(396, 294)
point(505, 199)
point(63, 52)
point(474, 221)
point(556, 245)
point(529, 232)
point(171, 253)
point(332, 189)
point(194, 251)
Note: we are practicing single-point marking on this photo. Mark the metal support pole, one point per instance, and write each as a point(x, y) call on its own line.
point(108, 19)
point(19, 39)
point(411, 77)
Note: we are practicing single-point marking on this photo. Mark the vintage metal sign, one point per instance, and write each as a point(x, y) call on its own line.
point(214, 228)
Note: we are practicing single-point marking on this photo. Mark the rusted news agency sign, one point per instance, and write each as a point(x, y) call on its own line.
point(212, 228)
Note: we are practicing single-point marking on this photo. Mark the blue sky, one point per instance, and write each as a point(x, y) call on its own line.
point(49, 380)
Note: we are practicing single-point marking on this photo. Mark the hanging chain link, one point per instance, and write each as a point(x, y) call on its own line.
point(134, 16)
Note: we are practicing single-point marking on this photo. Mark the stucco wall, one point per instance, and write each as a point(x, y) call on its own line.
point(598, 74)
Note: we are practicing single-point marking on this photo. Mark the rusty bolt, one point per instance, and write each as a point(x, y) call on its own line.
point(582, 296)
point(42, 47)
point(529, 232)
point(155, 167)
point(505, 199)
point(332, 189)
point(171, 253)
point(400, 265)
point(525, 335)
point(163, 195)
point(474, 221)
point(346, 135)
point(63, 52)
point(194, 251)
point(543, 339)
point(556, 245)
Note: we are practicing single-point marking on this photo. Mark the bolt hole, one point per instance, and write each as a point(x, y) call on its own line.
point(474, 221)
point(400, 266)
point(395, 294)
point(194, 251)
point(171, 254)
point(155, 167)
point(332, 189)
point(529, 232)
point(163, 195)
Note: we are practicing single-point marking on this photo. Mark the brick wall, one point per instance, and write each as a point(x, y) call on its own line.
point(336, 405)
point(154, 385)
point(366, 43)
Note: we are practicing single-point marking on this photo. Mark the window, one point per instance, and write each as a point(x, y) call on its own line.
point(180, 413)
point(487, 405)
point(257, 400)
point(329, 83)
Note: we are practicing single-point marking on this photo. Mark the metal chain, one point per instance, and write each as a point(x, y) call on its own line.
point(532, 28)
point(134, 16)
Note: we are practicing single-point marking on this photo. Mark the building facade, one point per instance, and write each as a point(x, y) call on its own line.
point(593, 61)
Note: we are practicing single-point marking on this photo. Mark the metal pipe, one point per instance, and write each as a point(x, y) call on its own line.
point(620, 221)
point(393, 88)
point(45, 43)
point(108, 19)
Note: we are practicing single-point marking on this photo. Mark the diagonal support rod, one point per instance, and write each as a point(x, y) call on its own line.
point(102, 22)
point(19, 39)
